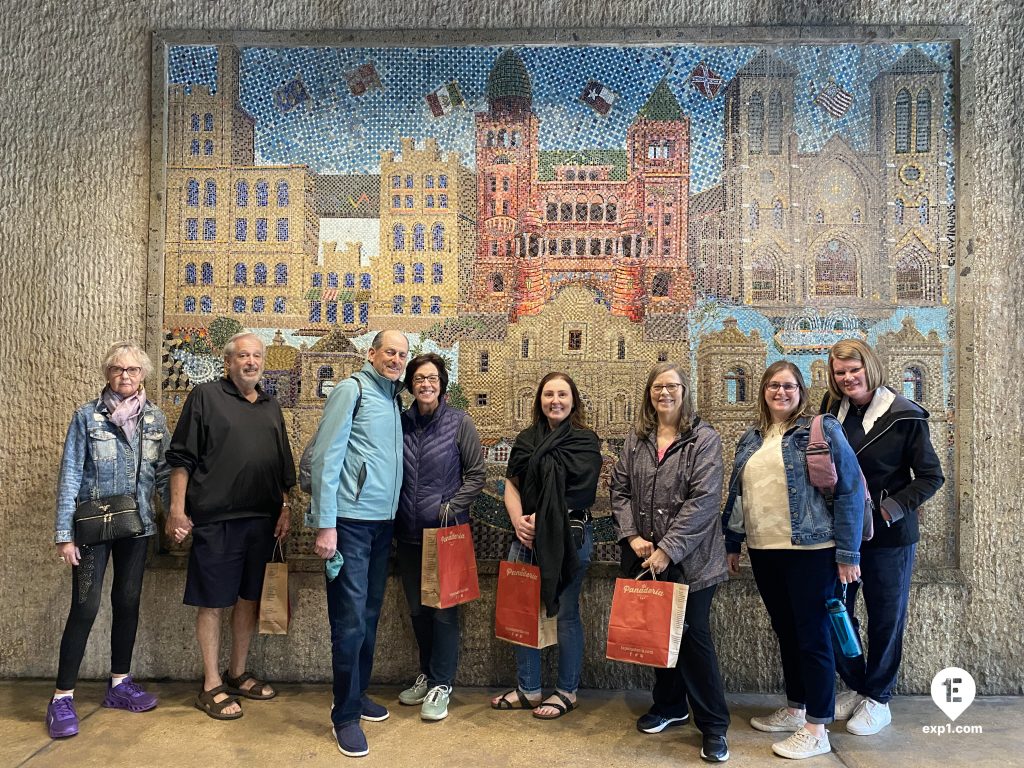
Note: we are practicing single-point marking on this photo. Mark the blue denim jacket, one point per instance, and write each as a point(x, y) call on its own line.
point(811, 519)
point(98, 461)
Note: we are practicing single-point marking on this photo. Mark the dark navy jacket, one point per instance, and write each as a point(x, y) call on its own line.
point(443, 470)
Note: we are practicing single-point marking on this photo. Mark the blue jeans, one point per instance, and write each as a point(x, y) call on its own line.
point(885, 573)
point(570, 627)
point(794, 585)
point(354, 598)
point(436, 629)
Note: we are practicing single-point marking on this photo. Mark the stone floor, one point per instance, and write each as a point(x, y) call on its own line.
point(293, 729)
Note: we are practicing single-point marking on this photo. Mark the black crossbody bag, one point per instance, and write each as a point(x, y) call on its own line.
point(112, 517)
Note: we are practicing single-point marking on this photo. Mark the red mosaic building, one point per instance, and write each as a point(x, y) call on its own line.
point(614, 221)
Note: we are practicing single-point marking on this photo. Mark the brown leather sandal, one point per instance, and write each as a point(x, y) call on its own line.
point(257, 691)
point(206, 701)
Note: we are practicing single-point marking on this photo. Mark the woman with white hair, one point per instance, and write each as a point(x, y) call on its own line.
point(115, 446)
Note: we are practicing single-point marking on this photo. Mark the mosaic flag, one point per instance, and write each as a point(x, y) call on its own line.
point(598, 98)
point(362, 78)
point(445, 99)
point(706, 80)
point(834, 100)
point(291, 95)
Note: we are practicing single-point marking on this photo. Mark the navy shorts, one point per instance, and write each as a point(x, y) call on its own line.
point(227, 561)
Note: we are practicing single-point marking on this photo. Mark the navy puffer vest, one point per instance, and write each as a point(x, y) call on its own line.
point(433, 471)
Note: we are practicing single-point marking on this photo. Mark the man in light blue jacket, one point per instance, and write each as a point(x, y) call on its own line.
point(356, 473)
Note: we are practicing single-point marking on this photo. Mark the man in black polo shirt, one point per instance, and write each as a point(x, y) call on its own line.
point(231, 471)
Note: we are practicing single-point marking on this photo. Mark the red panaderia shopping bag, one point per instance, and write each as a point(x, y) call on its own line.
point(519, 616)
point(646, 622)
point(448, 574)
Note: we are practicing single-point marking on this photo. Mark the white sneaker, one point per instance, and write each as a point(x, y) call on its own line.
point(435, 703)
point(846, 704)
point(779, 720)
point(802, 744)
point(869, 718)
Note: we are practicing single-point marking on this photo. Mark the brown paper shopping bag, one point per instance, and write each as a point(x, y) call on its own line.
point(519, 616)
point(275, 607)
point(646, 622)
point(448, 573)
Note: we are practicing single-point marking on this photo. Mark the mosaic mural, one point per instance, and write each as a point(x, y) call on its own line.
point(588, 209)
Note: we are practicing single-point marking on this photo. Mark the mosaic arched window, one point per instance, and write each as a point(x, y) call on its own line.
point(442, 181)
point(497, 282)
point(437, 273)
point(190, 274)
point(435, 305)
point(241, 273)
point(192, 193)
point(282, 230)
point(597, 208)
point(437, 236)
point(551, 210)
point(315, 309)
point(348, 313)
point(194, 147)
point(398, 237)
point(282, 193)
point(332, 312)
point(195, 122)
point(207, 147)
point(428, 182)
point(242, 194)
point(209, 229)
point(611, 210)
point(755, 215)
point(206, 273)
point(239, 304)
point(350, 279)
point(364, 312)
point(208, 122)
point(190, 304)
point(281, 274)
point(279, 304)
point(241, 230)
point(922, 211)
point(775, 123)
point(736, 380)
point(835, 270)
point(399, 274)
point(903, 121)
point(913, 383)
point(416, 305)
point(317, 279)
point(262, 193)
point(660, 284)
point(898, 210)
point(910, 276)
point(364, 281)
point(765, 278)
point(210, 197)
point(777, 213)
point(259, 273)
point(419, 237)
point(923, 124)
point(398, 305)
point(332, 279)
point(259, 304)
point(205, 305)
point(755, 123)
point(418, 272)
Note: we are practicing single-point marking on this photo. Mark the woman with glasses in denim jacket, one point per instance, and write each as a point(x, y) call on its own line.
point(799, 547)
point(101, 454)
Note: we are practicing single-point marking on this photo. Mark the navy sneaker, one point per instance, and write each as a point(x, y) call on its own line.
point(714, 749)
point(373, 711)
point(652, 723)
point(351, 739)
point(129, 695)
point(61, 718)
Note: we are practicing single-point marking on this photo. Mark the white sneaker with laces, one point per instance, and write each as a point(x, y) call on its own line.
point(802, 744)
point(846, 704)
point(869, 718)
point(435, 703)
point(779, 720)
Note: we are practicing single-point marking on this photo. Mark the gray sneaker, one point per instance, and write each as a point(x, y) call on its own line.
point(435, 704)
point(779, 720)
point(416, 693)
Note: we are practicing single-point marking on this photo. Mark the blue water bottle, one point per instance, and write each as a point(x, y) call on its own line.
point(842, 626)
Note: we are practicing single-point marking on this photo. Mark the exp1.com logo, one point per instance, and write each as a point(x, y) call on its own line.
point(953, 691)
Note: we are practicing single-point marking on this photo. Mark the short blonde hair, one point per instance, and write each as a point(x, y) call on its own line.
point(855, 349)
point(120, 350)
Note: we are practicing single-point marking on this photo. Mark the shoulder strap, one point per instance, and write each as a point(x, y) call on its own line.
point(821, 469)
point(359, 397)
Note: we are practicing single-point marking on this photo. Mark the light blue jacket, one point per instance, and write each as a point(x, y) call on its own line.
point(99, 461)
point(356, 465)
point(810, 518)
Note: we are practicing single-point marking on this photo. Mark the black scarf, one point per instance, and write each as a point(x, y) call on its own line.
point(549, 463)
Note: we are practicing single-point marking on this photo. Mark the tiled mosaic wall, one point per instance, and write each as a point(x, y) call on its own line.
point(587, 209)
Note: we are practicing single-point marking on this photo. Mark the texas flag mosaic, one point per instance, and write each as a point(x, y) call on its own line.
point(598, 98)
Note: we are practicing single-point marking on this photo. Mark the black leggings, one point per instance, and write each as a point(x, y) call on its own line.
point(86, 590)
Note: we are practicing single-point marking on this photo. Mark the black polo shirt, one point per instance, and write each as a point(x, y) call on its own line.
point(236, 453)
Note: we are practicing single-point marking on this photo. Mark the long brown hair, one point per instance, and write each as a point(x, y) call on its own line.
point(764, 416)
point(647, 417)
point(577, 416)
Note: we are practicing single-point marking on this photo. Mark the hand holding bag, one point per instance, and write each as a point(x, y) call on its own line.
point(646, 624)
point(111, 517)
point(275, 607)
point(448, 575)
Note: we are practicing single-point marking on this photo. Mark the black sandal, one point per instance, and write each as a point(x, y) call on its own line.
point(206, 701)
point(568, 707)
point(504, 704)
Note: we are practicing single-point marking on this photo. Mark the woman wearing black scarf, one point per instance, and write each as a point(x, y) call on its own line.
point(552, 482)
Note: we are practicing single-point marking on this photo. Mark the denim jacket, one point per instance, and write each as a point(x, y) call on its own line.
point(98, 461)
point(811, 519)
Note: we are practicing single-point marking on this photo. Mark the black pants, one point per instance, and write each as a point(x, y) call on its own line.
point(86, 589)
point(696, 676)
point(436, 629)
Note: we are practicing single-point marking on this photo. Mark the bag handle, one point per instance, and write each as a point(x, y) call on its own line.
point(278, 552)
point(654, 576)
point(444, 515)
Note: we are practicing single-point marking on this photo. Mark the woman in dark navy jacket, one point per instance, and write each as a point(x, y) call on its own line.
point(443, 473)
point(889, 434)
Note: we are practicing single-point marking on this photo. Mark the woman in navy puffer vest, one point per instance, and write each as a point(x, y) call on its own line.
point(443, 473)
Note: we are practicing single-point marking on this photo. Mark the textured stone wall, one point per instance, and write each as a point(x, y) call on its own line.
point(74, 276)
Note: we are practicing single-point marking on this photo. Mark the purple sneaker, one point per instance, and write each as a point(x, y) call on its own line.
point(128, 695)
point(61, 718)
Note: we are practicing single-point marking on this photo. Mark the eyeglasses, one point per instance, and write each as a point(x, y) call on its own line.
point(774, 386)
point(132, 370)
point(424, 379)
point(670, 388)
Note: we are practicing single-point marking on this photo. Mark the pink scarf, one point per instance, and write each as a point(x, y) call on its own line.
point(125, 412)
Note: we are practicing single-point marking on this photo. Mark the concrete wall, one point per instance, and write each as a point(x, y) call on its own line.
point(74, 236)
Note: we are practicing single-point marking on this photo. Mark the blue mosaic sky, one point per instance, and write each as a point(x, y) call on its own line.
point(336, 132)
